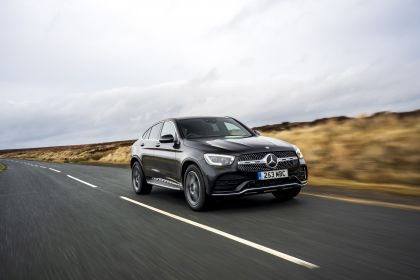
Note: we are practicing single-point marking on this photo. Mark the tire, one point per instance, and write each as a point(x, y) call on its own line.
point(194, 189)
point(286, 194)
point(140, 186)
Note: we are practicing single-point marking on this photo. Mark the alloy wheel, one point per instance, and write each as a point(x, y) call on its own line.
point(136, 178)
point(193, 187)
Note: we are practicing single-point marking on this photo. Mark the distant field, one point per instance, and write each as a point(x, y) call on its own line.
point(111, 152)
point(379, 152)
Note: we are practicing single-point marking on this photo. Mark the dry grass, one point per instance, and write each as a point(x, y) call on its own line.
point(361, 186)
point(379, 150)
point(112, 152)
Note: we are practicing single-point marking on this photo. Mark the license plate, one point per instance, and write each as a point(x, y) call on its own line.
point(275, 174)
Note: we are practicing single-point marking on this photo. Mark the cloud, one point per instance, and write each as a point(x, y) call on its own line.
point(124, 113)
point(250, 11)
point(81, 71)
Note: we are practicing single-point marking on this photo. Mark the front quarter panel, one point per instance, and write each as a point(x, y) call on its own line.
point(134, 149)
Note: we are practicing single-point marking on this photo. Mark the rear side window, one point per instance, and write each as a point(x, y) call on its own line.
point(155, 132)
point(146, 134)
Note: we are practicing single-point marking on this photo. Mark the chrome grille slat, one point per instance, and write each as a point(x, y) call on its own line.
point(253, 162)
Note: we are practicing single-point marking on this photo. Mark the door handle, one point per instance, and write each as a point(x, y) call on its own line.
point(157, 145)
point(142, 144)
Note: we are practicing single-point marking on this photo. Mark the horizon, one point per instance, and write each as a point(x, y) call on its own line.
point(363, 115)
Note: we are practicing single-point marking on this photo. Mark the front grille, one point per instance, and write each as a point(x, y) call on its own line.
point(258, 156)
point(261, 166)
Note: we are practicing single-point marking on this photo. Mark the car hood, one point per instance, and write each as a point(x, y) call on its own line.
point(239, 145)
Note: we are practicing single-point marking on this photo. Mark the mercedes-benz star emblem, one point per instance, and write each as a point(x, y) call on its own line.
point(271, 160)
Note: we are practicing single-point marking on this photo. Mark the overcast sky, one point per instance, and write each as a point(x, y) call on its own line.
point(90, 71)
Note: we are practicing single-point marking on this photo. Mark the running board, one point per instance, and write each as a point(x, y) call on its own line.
point(160, 182)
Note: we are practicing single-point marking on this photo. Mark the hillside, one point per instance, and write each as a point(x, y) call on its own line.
point(110, 152)
point(381, 151)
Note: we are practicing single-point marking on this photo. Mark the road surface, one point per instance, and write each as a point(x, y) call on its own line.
point(67, 221)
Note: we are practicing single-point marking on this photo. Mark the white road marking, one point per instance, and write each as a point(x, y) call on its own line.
point(81, 181)
point(54, 170)
point(42, 166)
point(227, 235)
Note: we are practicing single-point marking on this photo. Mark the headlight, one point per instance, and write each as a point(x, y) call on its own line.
point(220, 160)
point(298, 152)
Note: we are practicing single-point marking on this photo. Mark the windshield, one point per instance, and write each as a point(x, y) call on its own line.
point(212, 128)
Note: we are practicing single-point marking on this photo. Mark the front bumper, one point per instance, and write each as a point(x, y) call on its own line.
point(233, 182)
point(260, 190)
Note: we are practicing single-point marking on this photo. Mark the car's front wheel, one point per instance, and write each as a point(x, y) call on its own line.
point(140, 185)
point(194, 189)
point(286, 194)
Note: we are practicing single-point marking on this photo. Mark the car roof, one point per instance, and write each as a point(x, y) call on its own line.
point(186, 118)
point(196, 117)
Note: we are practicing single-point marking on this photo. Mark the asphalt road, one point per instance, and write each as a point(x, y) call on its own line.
point(53, 226)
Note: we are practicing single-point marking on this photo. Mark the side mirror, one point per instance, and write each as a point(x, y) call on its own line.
point(257, 132)
point(167, 138)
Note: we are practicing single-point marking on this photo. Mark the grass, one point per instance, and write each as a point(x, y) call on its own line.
point(101, 153)
point(356, 185)
point(379, 152)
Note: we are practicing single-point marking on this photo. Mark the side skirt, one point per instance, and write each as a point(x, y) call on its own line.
point(164, 183)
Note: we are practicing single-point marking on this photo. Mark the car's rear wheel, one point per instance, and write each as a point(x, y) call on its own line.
point(140, 186)
point(194, 189)
point(286, 194)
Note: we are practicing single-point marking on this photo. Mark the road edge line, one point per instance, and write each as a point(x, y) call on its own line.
point(366, 201)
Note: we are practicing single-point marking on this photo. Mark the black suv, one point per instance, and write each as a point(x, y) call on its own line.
point(215, 157)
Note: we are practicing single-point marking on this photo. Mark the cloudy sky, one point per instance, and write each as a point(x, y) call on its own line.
point(82, 71)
